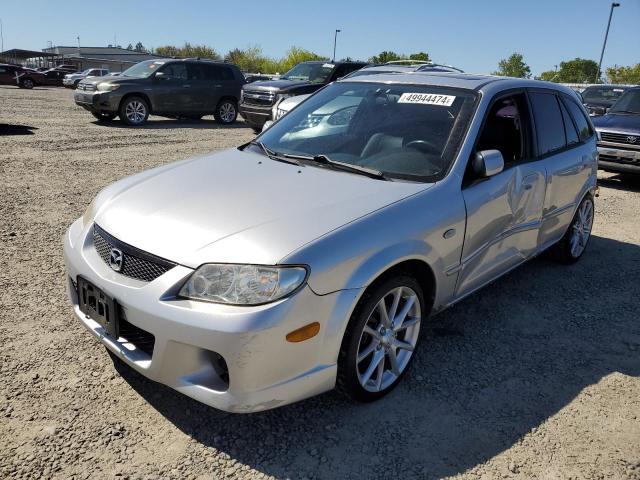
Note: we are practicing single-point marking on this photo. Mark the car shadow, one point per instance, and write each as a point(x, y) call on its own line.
point(487, 372)
point(625, 182)
point(167, 123)
point(6, 129)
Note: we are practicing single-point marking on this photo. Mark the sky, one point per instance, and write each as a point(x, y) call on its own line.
point(471, 35)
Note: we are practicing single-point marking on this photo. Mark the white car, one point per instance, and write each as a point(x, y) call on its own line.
point(71, 80)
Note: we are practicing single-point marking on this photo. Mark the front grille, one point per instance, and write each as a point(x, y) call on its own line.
point(86, 87)
point(256, 97)
point(621, 138)
point(611, 158)
point(135, 263)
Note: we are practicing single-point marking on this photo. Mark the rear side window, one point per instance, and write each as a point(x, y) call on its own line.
point(584, 129)
point(549, 124)
point(217, 72)
point(569, 128)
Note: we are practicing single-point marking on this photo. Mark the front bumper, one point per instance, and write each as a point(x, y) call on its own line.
point(98, 102)
point(254, 115)
point(618, 159)
point(264, 370)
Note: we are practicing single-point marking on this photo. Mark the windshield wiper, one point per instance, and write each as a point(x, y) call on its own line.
point(280, 157)
point(346, 167)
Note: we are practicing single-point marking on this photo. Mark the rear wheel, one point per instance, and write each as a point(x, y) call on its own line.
point(226, 112)
point(380, 339)
point(104, 117)
point(134, 111)
point(574, 242)
point(27, 83)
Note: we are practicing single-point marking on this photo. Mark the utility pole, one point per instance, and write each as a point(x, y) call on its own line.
point(1, 37)
point(604, 44)
point(335, 39)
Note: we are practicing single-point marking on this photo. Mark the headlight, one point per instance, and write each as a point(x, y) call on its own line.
point(282, 96)
point(242, 284)
point(241, 95)
point(107, 87)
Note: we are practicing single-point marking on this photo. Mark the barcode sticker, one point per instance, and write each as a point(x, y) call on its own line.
point(427, 99)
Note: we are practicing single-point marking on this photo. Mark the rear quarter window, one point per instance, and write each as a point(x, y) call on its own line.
point(549, 123)
point(584, 128)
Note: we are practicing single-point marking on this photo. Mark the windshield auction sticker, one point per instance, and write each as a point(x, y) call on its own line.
point(427, 99)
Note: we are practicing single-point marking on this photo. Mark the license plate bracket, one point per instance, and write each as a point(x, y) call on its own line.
point(98, 306)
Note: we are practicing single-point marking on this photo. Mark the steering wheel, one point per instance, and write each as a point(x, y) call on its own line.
point(423, 146)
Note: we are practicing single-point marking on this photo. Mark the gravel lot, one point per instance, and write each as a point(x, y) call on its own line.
point(537, 376)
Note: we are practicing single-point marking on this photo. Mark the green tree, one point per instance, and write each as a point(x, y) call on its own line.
point(296, 55)
point(548, 76)
point(140, 47)
point(385, 56)
point(629, 75)
point(421, 56)
point(578, 70)
point(513, 66)
point(188, 50)
point(250, 60)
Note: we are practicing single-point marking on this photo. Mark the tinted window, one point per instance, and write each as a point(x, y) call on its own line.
point(217, 72)
point(628, 103)
point(549, 124)
point(584, 129)
point(196, 72)
point(569, 128)
point(175, 70)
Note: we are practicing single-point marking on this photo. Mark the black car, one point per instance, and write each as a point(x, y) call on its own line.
point(619, 131)
point(260, 98)
point(597, 99)
point(188, 88)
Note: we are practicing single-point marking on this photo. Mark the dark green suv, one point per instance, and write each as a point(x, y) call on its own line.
point(188, 88)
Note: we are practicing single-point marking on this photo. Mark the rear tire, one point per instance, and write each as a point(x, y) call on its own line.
point(226, 111)
point(377, 348)
point(104, 117)
point(27, 83)
point(134, 111)
point(574, 242)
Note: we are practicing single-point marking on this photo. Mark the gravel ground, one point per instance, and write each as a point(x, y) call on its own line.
point(537, 376)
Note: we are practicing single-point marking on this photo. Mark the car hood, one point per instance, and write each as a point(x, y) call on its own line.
point(106, 78)
point(618, 122)
point(278, 85)
point(239, 207)
point(288, 103)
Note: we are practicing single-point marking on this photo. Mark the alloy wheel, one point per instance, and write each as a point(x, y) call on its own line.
point(135, 111)
point(581, 228)
point(227, 112)
point(388, 339)
point(28, 83)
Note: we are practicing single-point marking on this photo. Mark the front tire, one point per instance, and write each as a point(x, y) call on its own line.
point(134, 111)
point(226, 112)
point(27, 83)
point(574, 242)
point(380, 339)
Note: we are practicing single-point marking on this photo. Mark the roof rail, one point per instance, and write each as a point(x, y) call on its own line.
point(409, 62)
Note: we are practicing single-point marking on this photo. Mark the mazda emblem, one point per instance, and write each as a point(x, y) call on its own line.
point(632, 139)
point(116, 259)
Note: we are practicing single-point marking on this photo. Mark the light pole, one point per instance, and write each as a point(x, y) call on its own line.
point(335, 39)
point(1, 37)
point(604, 44)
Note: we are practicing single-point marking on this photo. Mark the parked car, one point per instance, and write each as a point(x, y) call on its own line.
point(260, 98)
point(310, 257)
point(72, 80)
point(54, 76)
point(619, 131)
point(599, 98)
point(189, 88)
point(20, 76)
point(400, 66)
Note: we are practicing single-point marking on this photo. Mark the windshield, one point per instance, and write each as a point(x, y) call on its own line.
point(310, 72)
point(86, 72)
point(404, 131)
point(143, 69)
point(604, 95)
point(628, 103)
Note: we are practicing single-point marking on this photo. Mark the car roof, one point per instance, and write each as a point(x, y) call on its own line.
point(467, 81)
point(339, 62)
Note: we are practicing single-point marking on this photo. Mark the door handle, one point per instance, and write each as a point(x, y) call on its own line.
point(217, 86)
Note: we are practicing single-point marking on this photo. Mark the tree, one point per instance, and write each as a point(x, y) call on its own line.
point(548, 76)
point(421, 56)
point(513, 66)
point(188, 50)
point(129, 47)
point(385, 56)
point(140, 48)
point(578, 70)
point(251, 60)
point(629, 75)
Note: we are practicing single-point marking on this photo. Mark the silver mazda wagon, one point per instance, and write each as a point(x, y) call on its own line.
point(308, 259)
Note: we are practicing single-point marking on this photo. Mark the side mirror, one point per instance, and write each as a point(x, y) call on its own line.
point(488, 163)
point(267, 124)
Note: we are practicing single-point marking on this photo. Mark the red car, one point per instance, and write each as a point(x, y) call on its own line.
point(20, 76)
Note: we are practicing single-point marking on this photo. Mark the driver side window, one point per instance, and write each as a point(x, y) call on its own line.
point(175, 71)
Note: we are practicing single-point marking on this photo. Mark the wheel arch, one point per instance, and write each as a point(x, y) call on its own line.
point(144, 96)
